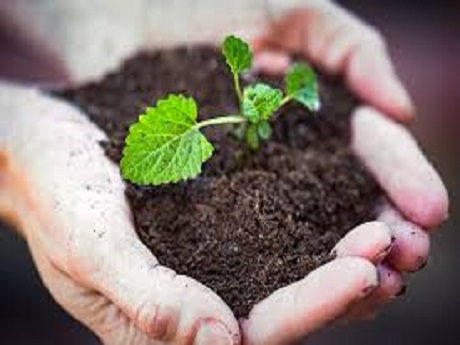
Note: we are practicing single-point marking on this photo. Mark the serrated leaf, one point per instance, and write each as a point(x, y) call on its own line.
point(260, 102)
point(252, 137)
point(165, 145)
point(237, 53)
point(264, 130)
point(302, 85)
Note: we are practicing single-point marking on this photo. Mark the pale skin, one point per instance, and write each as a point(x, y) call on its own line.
point(78, 226)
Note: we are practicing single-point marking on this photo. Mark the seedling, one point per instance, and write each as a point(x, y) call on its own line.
point(166, 145)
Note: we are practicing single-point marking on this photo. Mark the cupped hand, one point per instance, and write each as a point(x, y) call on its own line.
point(370, 259)
point(67, 199)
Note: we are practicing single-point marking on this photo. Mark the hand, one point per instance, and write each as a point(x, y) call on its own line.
point(67, 199)
point(398, 241)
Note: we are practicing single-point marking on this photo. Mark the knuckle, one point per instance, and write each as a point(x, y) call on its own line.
point(157, 316)
point(158, 321)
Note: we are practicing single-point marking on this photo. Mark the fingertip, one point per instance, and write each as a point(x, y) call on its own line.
point(392, 155)
point(271, 62)
point(371, 240)
point(371, 76)
point(359, 273)
point(429, 207)
point(390, 283)
point(412, 244)
point(258, 44)
point(410, 252)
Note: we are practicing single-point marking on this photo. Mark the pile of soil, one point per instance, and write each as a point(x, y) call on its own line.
point(253, 221)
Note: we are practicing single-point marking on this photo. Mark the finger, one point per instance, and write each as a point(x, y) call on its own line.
point(340, 43)
point(298, 309)
point(372, 241)
point(412, 244)
point(384, 90)
point(271, 62)
point(394, 158)
point(391, 285)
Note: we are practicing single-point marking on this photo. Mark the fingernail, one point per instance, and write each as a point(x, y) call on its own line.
point(372, 284)
point(213, 333)
point(332, 255)
point(384, 253)
point(388, 248)
point(406, 102)
point(423, 264)
point(368, 290)
point(402, 291)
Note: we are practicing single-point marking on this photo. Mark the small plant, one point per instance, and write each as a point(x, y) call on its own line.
point(166, 145)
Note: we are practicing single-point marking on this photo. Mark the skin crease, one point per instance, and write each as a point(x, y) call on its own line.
point(75, 220)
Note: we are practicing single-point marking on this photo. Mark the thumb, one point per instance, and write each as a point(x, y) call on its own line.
point(164, 305)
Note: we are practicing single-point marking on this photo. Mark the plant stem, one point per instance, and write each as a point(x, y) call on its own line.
point(285, 100)
point(236, 81)
point(221, 120)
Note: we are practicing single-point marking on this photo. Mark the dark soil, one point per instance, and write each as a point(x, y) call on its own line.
point(252, 222)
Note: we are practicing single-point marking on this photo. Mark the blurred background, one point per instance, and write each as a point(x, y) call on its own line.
point(424, 40)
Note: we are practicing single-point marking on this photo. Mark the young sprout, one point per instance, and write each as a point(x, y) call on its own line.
point(166, 145)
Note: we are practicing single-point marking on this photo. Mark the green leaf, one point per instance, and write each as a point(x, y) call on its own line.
point(302, 85)
point(237, 53)
point(260, 102)
point(252, 137)
point(264, 130)
point(165, 145)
